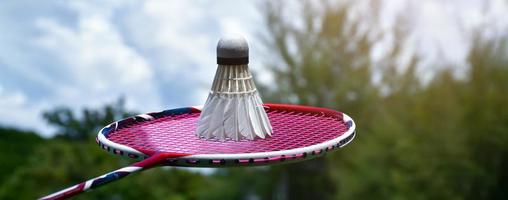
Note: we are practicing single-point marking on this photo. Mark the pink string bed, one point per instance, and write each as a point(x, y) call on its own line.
point(176, 134)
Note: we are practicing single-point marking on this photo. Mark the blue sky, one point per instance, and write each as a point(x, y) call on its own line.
point(161, 54)
point(158, 54)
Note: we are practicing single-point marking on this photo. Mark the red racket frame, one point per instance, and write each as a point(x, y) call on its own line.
point(150, 158)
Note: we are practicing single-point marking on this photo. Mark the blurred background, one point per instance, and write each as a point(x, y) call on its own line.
point(425, 81)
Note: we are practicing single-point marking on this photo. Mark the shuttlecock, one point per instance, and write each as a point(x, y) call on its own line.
point(233, 110)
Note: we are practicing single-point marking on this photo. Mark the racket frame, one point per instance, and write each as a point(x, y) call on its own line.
point(149, 159)
point(227, 160)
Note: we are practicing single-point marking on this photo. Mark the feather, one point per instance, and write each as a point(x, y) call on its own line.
point(233, 110)
point(263, 118)
point(253, 116)
point(216, 127)
point(205, 116)
point(230, 119)
point(243, 120)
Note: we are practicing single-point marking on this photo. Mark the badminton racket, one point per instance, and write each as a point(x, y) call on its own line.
point(168, 138)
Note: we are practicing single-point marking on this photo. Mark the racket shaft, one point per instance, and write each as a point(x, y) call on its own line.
point(105, 179)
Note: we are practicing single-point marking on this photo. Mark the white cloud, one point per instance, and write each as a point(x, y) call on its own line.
point(17, 111)
point(16, 99)
point(158, 54)
point(441, 30)
point(98, 65)
point(185, 34)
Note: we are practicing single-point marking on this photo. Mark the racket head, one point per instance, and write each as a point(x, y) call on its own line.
point(299, 133)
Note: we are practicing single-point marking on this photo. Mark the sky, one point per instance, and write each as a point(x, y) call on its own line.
point(161, 54)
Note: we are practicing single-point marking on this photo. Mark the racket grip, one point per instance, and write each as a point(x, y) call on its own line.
point(105, 179)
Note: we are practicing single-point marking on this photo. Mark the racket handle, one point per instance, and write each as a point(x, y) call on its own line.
point(106, 178)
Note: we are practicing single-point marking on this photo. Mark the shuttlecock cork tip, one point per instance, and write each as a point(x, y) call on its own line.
point(232, 50)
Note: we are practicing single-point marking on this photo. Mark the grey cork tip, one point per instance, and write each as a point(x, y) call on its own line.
point(232, 50)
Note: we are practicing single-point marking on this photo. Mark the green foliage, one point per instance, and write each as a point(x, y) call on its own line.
point(61, 163)
point(446, 139)
point(84, 127)
point(329, 67)
point(16, 147)
point(41, 169)
point(486, 118)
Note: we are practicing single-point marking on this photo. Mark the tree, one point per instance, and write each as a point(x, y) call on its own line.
point(16, 146)
point(486, 118)
point(84, 127)
point(323, 62)
point(445, 139)
point(73, 156)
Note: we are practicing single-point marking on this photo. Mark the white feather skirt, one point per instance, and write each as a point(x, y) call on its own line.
point(233, 110)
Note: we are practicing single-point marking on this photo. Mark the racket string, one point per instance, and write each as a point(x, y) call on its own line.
point(175, 133)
